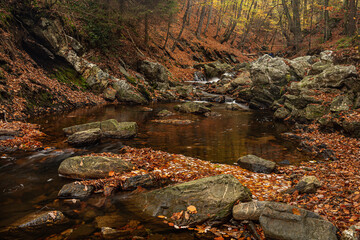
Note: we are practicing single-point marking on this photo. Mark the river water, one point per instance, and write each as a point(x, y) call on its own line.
point(29, 181)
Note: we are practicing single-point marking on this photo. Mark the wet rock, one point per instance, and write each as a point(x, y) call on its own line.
point(192, 107)
point(113, 221)
point(82, 232)
point(249, 210)
point(174, 121)
point(155, 73)
point(243, 79)
point(353, 233)
point(110, 94)
point(216, 69)
point(199, 76)
point(341, 103)
point(125, 92)
point(146, 109)
point(256, 164)
point(282, 221)
point(114, 129)
point(204, 96)
point(86, 137)
point(82, 127)
point(213, 198)
point(111, 233)
point(308, 184)
point(212, 114)
point(234, 107)
point(75, 190)
point(281, 113)
point(165, 113)
point(92, 166)
point(40, 219)
point(109, 128)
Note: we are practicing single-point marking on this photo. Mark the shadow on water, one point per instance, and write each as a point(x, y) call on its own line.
point(29, 181)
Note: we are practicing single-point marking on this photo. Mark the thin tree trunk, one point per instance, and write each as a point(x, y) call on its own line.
point(201, 21)
point(168, 30)
point(209, 16)
point(185, 17)
point(326, 19)
point(146, 40)
point(304, 13)
point(351, 28)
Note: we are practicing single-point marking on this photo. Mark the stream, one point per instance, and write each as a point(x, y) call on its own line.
point(29, 180)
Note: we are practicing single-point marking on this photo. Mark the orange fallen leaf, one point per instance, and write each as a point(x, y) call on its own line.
point(161, 216)
point(111, 173)
point(191, 209)
point(296, 211)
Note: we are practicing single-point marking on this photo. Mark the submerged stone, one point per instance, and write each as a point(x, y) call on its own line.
point(192, 107)
point(40, 219)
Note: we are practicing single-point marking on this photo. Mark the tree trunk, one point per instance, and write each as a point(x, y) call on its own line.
point(201, 21)
point(351, 24)
point(185, 17)
point(210, 7)
point(146, 23)
point(304, 13)
point(326, 19)
point(168, 30)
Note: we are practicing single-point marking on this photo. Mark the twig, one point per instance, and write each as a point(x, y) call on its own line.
point(253, 230)
point(132, 40)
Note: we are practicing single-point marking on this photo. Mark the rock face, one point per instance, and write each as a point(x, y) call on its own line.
point(213, 198)
point(192, 107)
point(40, 219)
point(256, 164)
point(92, 167)
point(51, 34)
point(285, 222)
point(109, 128)
point(75, 190)
point(86, 137)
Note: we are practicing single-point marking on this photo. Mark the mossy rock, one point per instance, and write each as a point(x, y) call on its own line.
point(92, 167)
point(213, 197)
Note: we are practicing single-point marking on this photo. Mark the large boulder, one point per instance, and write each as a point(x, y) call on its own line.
point(109, 128)
point(40, 219)
point(86, 137)
point(197, 201)
point(268, 70)
point(84, 167)
point(319, 67)
point(75, 190)
point(284, 222)
point(155, 73)
point(333, 77)
point(256, 164)
point(125, 92)
point(192, 107)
